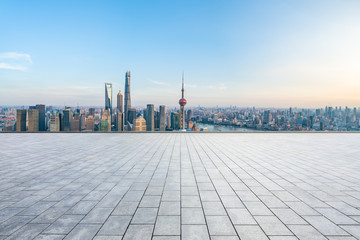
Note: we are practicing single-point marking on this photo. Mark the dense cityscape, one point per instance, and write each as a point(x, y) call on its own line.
point(124, 117)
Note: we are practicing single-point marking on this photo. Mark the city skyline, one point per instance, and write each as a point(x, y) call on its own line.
point(263, 54)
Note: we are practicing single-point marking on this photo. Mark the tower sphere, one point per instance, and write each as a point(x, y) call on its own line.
point(182, 102)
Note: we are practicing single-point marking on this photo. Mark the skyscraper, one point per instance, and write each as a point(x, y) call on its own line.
point(156, 120)
point(108, 99)
point(105, 122)
point(131, 119)
point(89, 123)
point(175, 123)
point(67, 119)
point(189, 115)
point(41, 109)
point(150, 117)
point(267, 117)
point(162, 118)
point(92, 111)
point(20, 120)
point(55, 122)
point(120, 104)
point(127, 103)
point(182, 103)
point(33, 120)
point(120, 121)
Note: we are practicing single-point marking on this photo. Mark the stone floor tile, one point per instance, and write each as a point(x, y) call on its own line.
point(240, 216)
point(271, 225)
point(83, 231)
point(194, 232)
point(250, 232)
point(145, 216)
point(167, 225)
point(335, 216)
point(325, 226)
point(169, 208)
point(125, 208)
point(171, 196)
point(97, 215)
point(64, 224)
point(115, 226)
point(136, 232)
point(192, 216)
point(190, 201)
point(306, 232)
point(220, 225)
point(29, 231)
point(49, 237)
point(257, 208)
point(232, 202)
point(82, 207)
point(150, 201)
point(225, 238)
point(214, 209)
point(288, 216)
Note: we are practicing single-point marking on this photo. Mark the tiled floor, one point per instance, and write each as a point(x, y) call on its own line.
point(180, 186)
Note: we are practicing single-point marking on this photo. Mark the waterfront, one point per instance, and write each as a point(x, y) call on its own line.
point(224, 128)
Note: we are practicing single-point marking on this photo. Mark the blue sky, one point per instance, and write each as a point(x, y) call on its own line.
point(244, 53)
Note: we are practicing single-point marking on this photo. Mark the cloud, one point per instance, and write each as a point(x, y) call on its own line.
point(218, 87)
point(15, 61)
point(159, 83)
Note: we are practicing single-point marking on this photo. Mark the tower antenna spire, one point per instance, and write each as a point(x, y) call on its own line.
point(182, 89)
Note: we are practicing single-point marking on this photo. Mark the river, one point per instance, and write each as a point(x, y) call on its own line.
point(222, 128)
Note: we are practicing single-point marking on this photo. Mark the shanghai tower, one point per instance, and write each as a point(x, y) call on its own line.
point(127, 99)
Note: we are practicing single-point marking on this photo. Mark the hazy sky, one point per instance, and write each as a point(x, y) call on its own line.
point(244, 53)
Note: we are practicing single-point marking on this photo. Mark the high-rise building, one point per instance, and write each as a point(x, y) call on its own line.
point(55, 122)
point(20, 120)
point(267, 117)
point(156, 120)
point(33, 117)
point(67, 119)
point(41, 109)
point(162, 117)
point(89, 124)
point(120, 121)
point(168, 121)
point(131, 119)
point(140, 124)
point(108, 99)
point(105, 122)
point(82, 122)
point(175, 121)
point(92, 111)
point(127, 100)
point(182, 103)
point(189, 115)
point(120, 104)
point(150, 117)
point(75, 124)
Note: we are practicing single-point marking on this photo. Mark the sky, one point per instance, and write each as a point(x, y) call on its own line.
point(264, 53)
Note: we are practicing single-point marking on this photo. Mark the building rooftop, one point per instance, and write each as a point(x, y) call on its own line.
point(180, 186)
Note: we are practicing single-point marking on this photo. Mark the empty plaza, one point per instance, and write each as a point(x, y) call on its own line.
point(171, 186)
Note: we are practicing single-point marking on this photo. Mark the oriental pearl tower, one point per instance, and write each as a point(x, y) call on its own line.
point(182, 103)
